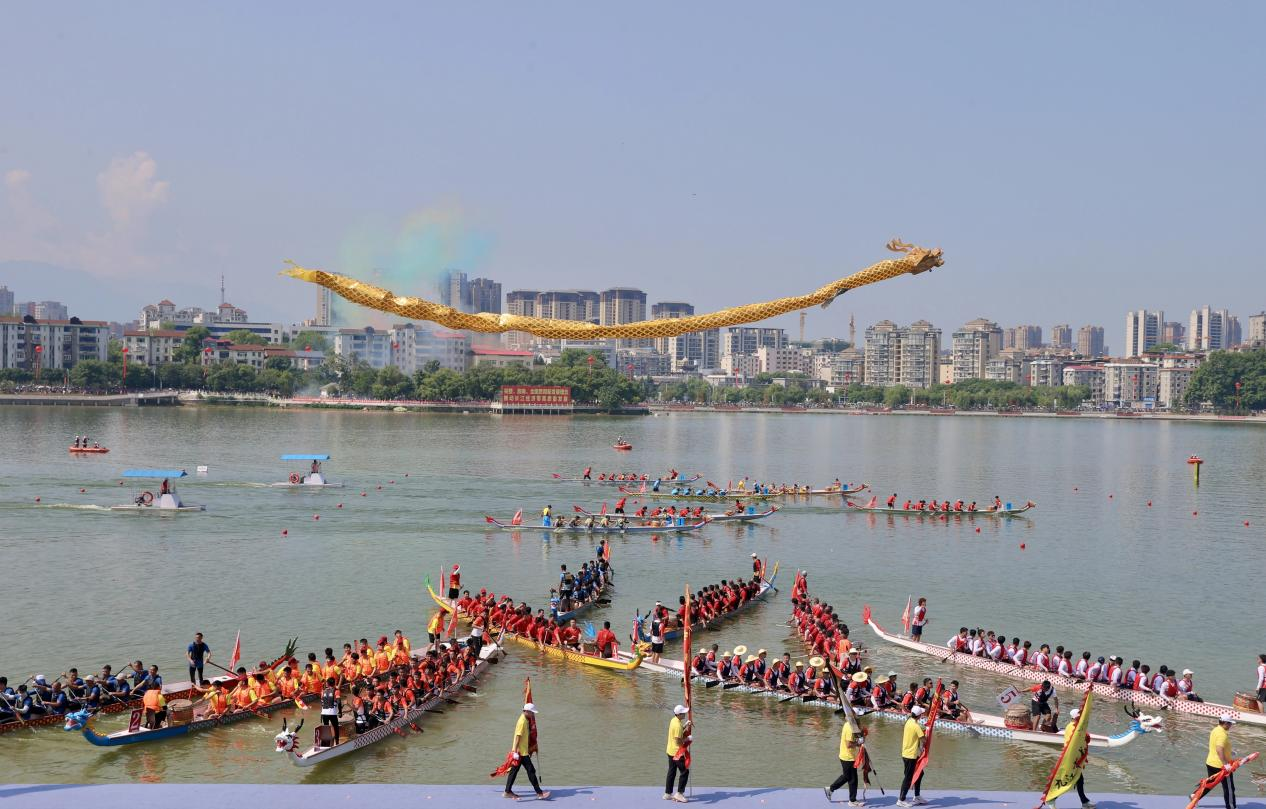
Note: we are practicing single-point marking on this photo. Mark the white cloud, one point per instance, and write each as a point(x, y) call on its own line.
point(130, 190)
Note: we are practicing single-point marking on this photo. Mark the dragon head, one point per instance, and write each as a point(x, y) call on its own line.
point(288, 740)
point(924, 258)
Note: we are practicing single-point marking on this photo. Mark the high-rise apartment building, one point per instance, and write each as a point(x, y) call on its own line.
point(1023, 338)
point(485, 296)
point(6, 301)
point(1062, 336)
point(558, 305)
point(324, 307)
point(1090, 342)
point(1209, 329)
point(51, 344)
point(454, 288)
point(694, 351)
point(522, 302)
point(746, 339)
point(1257, 330)
point(671, 310)
point(901, 356)
point(621, 305)
point(1174, 332)
point(977, 342)
point(1143, 329)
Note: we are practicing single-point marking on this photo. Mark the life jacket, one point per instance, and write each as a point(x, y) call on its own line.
point(219, 702)
point(153, 700)
point(243, 696)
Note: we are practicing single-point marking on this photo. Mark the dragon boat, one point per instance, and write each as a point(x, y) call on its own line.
point(180, 690)
point(766, 587)
point(627, 663)
point(683, 528)
point(750, 514)
point(805, 491)
point(182, 720)
point(620, 481)
point(709, 495)
point(87, 450)
point(1007, 510)
point(288, 740)
point(1102, 690)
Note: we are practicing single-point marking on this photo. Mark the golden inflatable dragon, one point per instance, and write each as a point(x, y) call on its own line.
point(914, 261)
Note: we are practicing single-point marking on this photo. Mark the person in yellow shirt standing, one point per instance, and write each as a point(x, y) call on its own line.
point(1081, 779)
point(849, 744)
point(678, 755)
point(1220, 758)
point(911, 746)
point(521, 750)
point(435, 629)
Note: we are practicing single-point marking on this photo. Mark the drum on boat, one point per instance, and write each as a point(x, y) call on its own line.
point(1247, 702)
point(1018, 717)
point(179, 712)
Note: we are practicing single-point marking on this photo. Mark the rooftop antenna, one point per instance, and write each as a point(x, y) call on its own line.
point(852, 331)
point(802, 316)
point(221, 288)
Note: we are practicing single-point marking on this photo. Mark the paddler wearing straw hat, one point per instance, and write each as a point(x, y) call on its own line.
point(858, 688)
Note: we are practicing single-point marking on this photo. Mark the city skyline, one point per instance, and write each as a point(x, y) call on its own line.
point(729, 180)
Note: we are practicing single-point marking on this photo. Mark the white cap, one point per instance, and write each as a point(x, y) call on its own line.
point(1227, 718)
point(753, 556)
point(892, 674)
point(1074, 713)
point(39, 678)
point(916, 710)
point(1185, 672)
point(680, 710)
point(530, 707)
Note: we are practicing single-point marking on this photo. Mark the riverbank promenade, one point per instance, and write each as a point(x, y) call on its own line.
point(275, 796)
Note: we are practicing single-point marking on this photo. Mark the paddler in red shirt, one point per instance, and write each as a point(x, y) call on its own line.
point(605, 642)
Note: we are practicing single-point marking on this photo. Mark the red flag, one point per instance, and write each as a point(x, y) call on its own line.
point(518, 518)
point(604, 509)
point(606, 551)
point(237, 652)
point(1208, 783)
point(684, 752)
point(452, 625)
point(933, 710)
point(578, 509)
point(505, 767)
point(905, 616)
point(527, 690)
point(443, 580)
point(486, 517)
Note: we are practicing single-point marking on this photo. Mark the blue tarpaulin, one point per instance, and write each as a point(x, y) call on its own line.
point(302, 457)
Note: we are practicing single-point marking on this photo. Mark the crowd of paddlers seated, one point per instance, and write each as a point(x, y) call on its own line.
point(37, 696)
point(1109, 670)
point(706, 604)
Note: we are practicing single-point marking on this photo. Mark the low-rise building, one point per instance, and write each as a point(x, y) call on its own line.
point(499, 357)
point(1006, 369)
point(1130, 384)
point(1090, 375)
point(215, 352)
point(784, 360)
point(151, 348)
point(51, 344)
point(1046, 372)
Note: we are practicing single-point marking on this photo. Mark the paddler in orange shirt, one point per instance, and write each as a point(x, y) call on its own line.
point(310, 680)
point(287, 685)
point(268, 674)
point(330, 669)
point(243, 696)
point(366, 666)
point(217, 701)
point(265, 691)
point(401, 642)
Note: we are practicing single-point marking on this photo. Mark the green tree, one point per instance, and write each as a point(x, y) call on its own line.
point(1162, 348)
point(91, 375)
point(309, 341)
point(579, 357)
point(191, 347)
point(896, 395)
point(392, 384)
point(277, 363)
point(1215, 381)
point(246, 337)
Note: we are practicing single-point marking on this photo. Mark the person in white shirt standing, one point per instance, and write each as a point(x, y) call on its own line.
point(919, 619)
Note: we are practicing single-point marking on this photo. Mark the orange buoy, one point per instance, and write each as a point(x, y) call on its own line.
point(1246, 523)
point(391, 481)
point(1194, 513)
point(977, 530)
point(1149, 503)
point(1021, 546)
point(81, 491)
point(284, 532)
point(362, 494)
point(316, 516)
point(380, 487)
point(1109, 497)
point(406, 474)
point(1074, 488)
point(37, 499)
point(340, 505)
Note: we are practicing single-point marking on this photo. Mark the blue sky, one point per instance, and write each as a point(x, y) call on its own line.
point(1073, 160)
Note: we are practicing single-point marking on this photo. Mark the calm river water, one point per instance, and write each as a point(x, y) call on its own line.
point(1100, 569)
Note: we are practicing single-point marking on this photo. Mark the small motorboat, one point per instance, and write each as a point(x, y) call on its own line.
point(314, 478)
point(80, 450)
point(166, 501)
point(622, 445)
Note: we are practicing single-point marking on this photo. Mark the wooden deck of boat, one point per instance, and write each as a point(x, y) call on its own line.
point(277, 796)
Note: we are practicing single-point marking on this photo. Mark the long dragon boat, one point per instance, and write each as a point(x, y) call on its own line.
point(288, 740)
point(744, 516)
point(915, 512)
point(571, 656)
point(1102, 690)
point(709, 495)
point(766, 587)
point(176, 690)
point(805, 491)
point(679, 480)
point(598, 529)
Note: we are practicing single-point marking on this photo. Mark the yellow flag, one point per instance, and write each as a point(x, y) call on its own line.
point(1072, 762)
